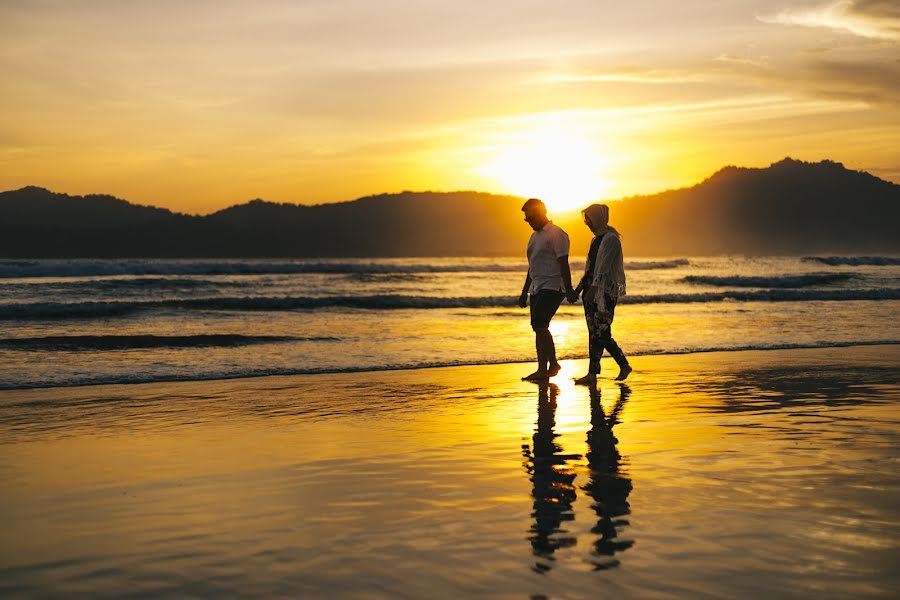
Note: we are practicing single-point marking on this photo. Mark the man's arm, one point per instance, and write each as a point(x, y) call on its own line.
point(523, 297)
point(567, 278)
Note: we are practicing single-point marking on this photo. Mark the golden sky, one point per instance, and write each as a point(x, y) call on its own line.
point(199, 104)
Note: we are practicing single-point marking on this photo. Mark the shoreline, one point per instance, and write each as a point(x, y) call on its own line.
point(423, 367)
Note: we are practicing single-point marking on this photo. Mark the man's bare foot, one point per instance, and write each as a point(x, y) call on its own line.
point(536, 376)
point(588, 379)
point(626, 370)
point(554, 370)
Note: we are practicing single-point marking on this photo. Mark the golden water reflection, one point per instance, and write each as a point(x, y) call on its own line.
point(721, 475)
point(552, 472)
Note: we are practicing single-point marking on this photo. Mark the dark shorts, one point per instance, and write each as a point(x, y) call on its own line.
point(544, 305)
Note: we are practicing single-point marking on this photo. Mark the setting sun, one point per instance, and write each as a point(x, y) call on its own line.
point(555, 163)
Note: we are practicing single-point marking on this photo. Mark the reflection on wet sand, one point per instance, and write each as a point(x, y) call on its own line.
point(553, 475)
point(553, 483)
point(755, 475)
point(607, 486)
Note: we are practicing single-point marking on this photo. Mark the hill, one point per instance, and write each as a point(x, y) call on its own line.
point(789, 207)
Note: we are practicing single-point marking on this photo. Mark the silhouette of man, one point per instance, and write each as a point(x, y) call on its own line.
point(552, 478)
point(548, 282)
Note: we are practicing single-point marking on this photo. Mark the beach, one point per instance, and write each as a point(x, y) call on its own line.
point(273, 277)
point(745, 474)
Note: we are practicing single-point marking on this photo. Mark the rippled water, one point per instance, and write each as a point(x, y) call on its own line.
point(79, 322)
point(721, 475)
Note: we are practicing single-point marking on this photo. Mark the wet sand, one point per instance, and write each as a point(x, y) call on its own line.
point(741, 475)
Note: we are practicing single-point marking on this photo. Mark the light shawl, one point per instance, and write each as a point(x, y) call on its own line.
point(608, 278)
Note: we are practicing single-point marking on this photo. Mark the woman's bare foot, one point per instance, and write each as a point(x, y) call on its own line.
point(536, 376)
point(589, 379)
point(626, 370)
point(554, 370)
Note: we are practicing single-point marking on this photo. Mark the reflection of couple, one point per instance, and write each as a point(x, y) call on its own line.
point(553, 480)
point(549, 281)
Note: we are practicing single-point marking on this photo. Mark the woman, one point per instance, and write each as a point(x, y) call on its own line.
point(603, 283)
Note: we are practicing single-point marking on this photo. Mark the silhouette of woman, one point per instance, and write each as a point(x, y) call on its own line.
point(607, 486)
point(603, 283)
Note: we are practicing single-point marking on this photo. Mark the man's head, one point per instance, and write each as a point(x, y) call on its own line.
point(535, 213)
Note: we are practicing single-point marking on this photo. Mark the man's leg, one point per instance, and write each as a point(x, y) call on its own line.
point(543, 306)
point(537, 326)
point(541, 336)
point(554, 299)
point(552, 364)
point(540, 343)
point(594, 348)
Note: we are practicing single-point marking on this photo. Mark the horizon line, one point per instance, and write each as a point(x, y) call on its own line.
point(433, 191)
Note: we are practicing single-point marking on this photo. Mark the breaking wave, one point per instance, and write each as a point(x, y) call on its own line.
point(656, 264)
point(88, 310)
point(133, 342)
point(114, 268)
point(174, 283)
point(772, 295)
point(880, 261)
point(779, 281)
point(76, 310)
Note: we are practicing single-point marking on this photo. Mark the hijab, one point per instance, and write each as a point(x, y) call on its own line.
point(598, 215)
point(608, 268)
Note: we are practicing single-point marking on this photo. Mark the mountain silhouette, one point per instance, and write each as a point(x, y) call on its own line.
point(790, 207)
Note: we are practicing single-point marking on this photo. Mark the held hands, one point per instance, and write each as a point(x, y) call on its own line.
point(572, 295)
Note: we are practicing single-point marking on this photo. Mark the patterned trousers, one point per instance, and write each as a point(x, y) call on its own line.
point(599, 324)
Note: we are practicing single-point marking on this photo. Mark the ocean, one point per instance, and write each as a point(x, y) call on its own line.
point(84, 322)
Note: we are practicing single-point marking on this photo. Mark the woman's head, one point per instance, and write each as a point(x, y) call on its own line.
point(596, 216)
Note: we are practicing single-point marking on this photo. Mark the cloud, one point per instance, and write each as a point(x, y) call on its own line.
point(876, 19)
point(625, 75)
point(741, 60)
point(874, 83)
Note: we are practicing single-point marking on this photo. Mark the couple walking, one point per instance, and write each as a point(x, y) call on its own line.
point(549, 281)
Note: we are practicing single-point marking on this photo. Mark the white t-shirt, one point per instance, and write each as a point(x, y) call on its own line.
point(545, 247)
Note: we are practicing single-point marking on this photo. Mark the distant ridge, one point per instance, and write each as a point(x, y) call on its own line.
point(790, 207)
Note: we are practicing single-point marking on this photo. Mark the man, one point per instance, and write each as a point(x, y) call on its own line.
point(548, 281)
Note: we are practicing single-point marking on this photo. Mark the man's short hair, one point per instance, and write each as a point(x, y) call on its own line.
point(536, 203)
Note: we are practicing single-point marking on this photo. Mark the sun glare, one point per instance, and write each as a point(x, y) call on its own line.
point(554, 163)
